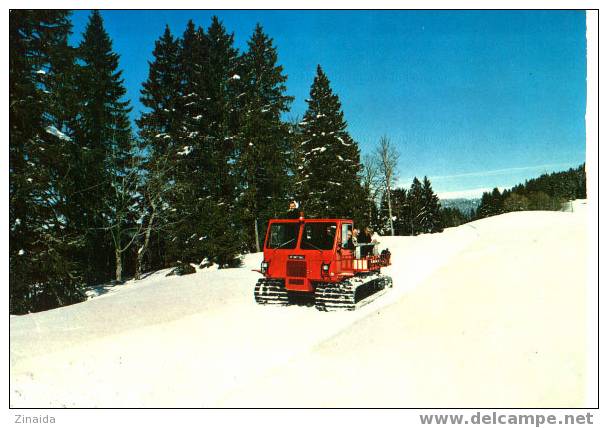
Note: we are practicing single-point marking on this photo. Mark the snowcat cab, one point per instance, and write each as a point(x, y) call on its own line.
point(310, 256)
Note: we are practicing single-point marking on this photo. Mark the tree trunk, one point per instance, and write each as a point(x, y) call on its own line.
point(142, 250)
point(118, 256)
point(257, 236)
point(390, 209)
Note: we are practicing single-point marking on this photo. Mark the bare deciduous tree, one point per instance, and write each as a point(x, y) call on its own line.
point(121, 206)
point(137, 208)
point(155, 191)
point(388, 156)
point(371, 180)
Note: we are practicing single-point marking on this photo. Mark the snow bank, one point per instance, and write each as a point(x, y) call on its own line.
point(486, 314)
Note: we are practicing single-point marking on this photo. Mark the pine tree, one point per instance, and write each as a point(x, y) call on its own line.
point(399, 206)
point(328, 175)
point(452, 217)
point(105, 125)
point(430, 216)
point(224, 230)
point(496, 202)
point(104, 135)
point(160, 130)
point(294, 159)
point(42, 273)
point(394, 221)
point(264, 141)
point(580, 178)
point(409, 215)
point(491, 204)
point(206, 219)
point(516, 202)
point(384, 225)
point(484, 209)
point(189, 153)
point(414, 202)
point(159, 125)
point(222, 79)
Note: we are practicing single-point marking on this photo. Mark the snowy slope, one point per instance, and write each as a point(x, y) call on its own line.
point(461, 327)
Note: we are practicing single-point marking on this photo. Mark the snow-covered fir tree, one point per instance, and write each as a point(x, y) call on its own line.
point(207, 224)
point(42, 272)
point(399, 212)
point(399, 202)
point(104, 136)
point(159, 124)
point(264, 143)
point(429, 216)
point(160, 128)
point(414, 202)
point(191, 165)
point(224, 229)
point(491, 204)
point(328, 174)
point(415, 211)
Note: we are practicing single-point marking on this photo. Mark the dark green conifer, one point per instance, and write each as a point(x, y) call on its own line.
point(264, 142)
point(328, 172)
point(105, 142)
point(42, 273)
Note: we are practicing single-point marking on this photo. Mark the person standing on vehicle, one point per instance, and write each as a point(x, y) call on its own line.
point(375, 241)
point(355, 236)
point(350, 245)
point(365, 238)
point(294, 210)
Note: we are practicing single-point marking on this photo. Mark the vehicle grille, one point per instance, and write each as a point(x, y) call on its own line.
point(296, 268)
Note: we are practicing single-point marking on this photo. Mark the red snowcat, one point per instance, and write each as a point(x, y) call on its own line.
point(315, 257)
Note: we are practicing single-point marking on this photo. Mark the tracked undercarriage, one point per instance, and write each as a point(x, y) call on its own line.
point(270, 291)
point(349, 294)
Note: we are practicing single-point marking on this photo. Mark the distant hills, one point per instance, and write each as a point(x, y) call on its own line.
point(464, 205)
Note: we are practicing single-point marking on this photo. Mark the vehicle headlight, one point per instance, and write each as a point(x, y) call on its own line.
point(264, 267)
point(324, 267)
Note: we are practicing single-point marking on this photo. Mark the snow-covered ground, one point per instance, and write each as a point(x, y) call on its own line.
point(488, 314)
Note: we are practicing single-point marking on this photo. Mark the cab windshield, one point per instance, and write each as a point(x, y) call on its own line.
point(283, 235)
point(318, 236)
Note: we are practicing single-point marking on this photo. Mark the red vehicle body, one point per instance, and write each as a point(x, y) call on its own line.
point(304, 255)
point(301, 265)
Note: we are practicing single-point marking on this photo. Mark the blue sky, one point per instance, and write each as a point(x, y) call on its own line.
point(472, 99)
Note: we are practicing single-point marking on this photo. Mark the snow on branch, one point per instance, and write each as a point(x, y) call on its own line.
point(185, 151)
point(57, 133)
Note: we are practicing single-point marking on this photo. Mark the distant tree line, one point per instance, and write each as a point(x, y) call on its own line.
point(453, 217)
point(547, 192)
point(414, 211)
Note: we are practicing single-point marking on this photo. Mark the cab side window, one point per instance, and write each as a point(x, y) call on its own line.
point(346, 227)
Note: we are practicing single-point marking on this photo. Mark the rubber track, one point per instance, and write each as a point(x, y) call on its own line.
point(342, 296)
point(270, 292)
